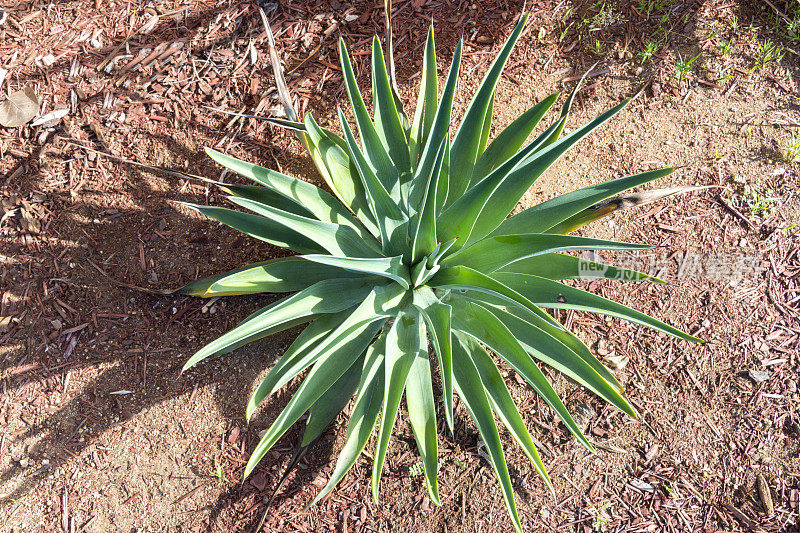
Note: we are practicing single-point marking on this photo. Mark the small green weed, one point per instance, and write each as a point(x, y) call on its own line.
point(759, 204)
point(766, 53)
point(650, 49)
point(723, 46)
point(684, 65)
point(601, 517)
point(791, 149)
point(650, 6)
point(219, 473)
point(604, 17)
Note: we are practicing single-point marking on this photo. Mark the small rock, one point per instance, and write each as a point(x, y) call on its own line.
point(24, 462)
point(602, 348)
point(258, 481)
point(655, 89)
point(642, 486)
point(618, 361)
point(583, 414)
point(758, 375)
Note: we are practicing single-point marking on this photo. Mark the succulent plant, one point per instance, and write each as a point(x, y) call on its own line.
point(414, 245)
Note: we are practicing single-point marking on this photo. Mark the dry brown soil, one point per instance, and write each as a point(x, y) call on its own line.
point(101, 432)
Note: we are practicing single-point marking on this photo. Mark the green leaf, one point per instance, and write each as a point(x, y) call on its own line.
point(470, 388)
point(365, 413)
point(439, 129)
point(467, 279)
point(479, 323)
point(299, 356)
point(377, 155)
point(544, 217)
point(333, 238)
point(494, 253)
point(387, 118)
point(326, 371)
point(451, 220)
point(470, 220)
point(487, 128)
point(437, 317)
point(333, 361)
point(424, 234)
point(390, 217)
point(404, 342)
point(467, 139)
point(619, 203)
point(553, 295)
point(388, 267)
point(331, 403)
point(260, 228)
point(504, 405)
point(560, 266)
point(510, 140)
point(330, 296)
point(285, 274)
point(552, 352)
point(422, 415)
point(546, 324)
point(324, 206)
point(427, 100)
point(265, 195)
point(329, 153)
point(567, 107)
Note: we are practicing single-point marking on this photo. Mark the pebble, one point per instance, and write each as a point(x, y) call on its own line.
point(583, 414)
point(758, 375)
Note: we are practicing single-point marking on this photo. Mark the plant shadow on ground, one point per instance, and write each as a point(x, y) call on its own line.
point(133, 346)
point(147, 338)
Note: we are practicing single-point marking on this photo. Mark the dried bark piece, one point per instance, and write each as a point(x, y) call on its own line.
point(765, 495)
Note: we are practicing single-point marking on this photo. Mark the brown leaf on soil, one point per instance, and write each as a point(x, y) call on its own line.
point(258, 481)
point(19, 108)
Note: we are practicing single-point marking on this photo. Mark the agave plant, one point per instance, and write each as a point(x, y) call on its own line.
point(412, 246)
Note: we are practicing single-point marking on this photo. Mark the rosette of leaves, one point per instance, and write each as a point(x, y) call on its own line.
point(412, 248)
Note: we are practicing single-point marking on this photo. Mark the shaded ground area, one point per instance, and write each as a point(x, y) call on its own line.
point(100, 432)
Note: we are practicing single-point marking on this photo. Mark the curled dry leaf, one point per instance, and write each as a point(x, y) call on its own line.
point(51, 118)
point(7, 322)
point(19, 108)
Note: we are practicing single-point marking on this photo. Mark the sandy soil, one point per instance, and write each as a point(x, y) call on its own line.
point(101, 432)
